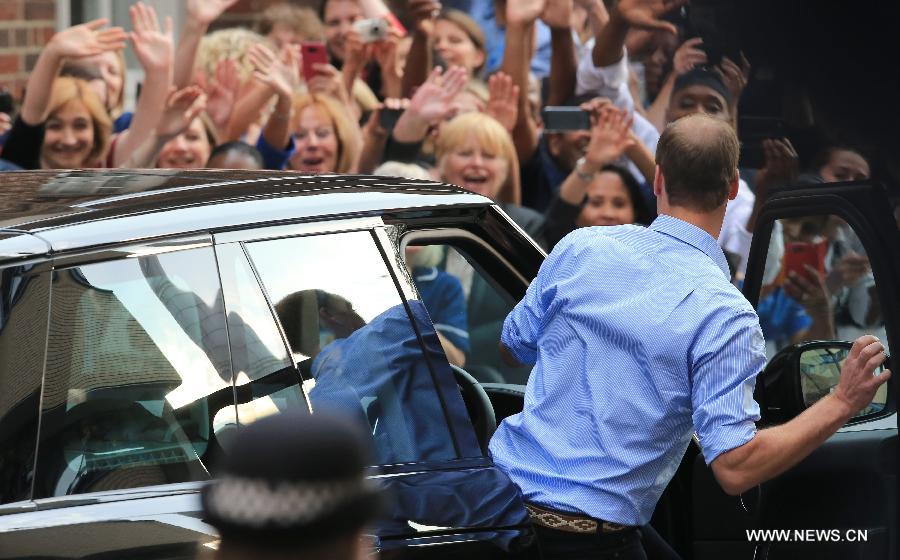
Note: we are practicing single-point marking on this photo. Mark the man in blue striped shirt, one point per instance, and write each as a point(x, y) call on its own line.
point(639, 339)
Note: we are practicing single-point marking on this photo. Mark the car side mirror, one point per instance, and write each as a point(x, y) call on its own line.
point(800, 375)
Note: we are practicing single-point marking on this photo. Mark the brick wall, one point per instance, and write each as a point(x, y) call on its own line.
point(25, 26)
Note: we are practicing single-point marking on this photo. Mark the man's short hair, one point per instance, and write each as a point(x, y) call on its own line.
point(698, 157)
point(237, 147)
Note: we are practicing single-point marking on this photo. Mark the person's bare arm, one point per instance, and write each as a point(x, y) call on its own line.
point(154, 49)
point(563, 60)
point(82, 40)
point(281, 77)
point(182, 107)
point(520, 18)
point(247, 109)
point(610, 137)
point(775, 450)
point(200, 13)
point(609, 47)
point(418, 62)
point(454, 355)
point(642, 158)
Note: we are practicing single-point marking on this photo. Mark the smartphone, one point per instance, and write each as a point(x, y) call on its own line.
point(388, 118)
point(371, 30)
point(751, 132)
point(6, 102)
point(799, 255)
point(312, 53)
point(565, 119)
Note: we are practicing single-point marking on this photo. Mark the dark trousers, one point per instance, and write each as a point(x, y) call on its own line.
point(562, 545)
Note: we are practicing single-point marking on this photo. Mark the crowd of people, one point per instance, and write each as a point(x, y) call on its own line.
point(454, 88)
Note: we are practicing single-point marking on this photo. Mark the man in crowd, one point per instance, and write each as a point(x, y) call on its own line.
point(639, 339)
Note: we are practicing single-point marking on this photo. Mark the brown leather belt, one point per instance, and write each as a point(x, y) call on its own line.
point(560, 521)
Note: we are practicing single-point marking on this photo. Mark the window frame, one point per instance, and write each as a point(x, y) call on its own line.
point(468, 452)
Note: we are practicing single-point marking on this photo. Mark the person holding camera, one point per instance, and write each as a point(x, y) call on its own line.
point(639, 340)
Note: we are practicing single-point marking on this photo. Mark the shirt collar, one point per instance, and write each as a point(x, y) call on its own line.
point(694, 236)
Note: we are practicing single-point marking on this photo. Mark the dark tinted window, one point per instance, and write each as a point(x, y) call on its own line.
point(349, 329)
point(23, 330)
point(138, 378)
point(265, 378)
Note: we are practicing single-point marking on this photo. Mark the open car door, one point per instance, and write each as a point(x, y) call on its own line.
point(824, 268)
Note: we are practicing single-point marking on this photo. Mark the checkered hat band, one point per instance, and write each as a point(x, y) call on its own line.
point(258, 503)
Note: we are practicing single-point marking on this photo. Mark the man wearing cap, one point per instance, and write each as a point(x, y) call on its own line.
point(638, 340)
point(293, 486)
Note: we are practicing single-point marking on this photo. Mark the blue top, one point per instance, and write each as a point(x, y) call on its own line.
point(638, 339)
point(781, 317)
point(445, 301)
point(482, 11)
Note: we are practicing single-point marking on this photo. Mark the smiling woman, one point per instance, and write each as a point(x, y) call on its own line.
point(75, 134)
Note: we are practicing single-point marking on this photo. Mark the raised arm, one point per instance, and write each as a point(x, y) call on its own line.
point(182, 107)
point(154, 49)
point(774, 450)
point(432, 103)
point(520, 19)
point(200, 13)
point(422, 14)
point(563, 60)
point(280, 76)
point(610, 42)
point(82, 40)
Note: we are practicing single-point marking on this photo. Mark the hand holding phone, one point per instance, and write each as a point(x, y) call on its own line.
point(312, 53)
point(565, 119)
point(800, 255)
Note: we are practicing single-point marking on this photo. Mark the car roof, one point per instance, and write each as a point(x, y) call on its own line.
point(69, 210)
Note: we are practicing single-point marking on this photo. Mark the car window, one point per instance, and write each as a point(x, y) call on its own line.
point(24, 300)
point(350, 332)
point(818, 284)
point(137, 374)
point(468, 308)
point(266, 381)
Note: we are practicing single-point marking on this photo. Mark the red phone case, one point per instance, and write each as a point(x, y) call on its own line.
point(313, 52)
point(799, 254)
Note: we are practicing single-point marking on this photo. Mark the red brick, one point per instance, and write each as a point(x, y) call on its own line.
point(40, 9)
point(9, 10)
point(9, 63)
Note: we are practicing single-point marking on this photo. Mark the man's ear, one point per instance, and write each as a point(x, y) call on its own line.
point(733, 187)
point(658, 183)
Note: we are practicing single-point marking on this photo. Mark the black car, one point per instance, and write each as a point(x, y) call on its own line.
point(145, 316)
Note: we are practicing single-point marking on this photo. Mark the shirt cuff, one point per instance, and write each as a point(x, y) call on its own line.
point(510, 338)
point(726, 438)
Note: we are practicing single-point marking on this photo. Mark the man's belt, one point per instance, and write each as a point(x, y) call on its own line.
point(560, 521)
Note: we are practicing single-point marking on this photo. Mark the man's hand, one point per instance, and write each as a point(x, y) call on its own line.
point(857, 386)
point(204, 12)
point(735, 77)
point(87, 39)
point(524, 12)
point(557, 14)
point(422, 14)
point(153, 47)
point(503, 98)
point(610, 133)
point(645, 13)
point(689, 55)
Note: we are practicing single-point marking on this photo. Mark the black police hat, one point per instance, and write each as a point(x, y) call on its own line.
point(293, 479)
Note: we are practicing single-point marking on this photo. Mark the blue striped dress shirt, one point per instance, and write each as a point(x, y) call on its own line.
point(638, 338)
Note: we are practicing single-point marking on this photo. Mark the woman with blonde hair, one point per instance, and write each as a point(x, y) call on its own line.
point(475, 152)
point(316, 135)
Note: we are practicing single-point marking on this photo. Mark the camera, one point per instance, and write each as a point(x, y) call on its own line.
point(371, 30)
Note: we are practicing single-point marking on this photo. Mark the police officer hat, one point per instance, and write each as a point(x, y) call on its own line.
point(293, 479)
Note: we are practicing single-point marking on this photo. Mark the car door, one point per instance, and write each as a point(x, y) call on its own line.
point(824, 264)
point(351, 321)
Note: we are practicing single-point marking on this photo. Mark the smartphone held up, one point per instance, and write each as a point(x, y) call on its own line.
point(312, 53)
point(565, 119)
